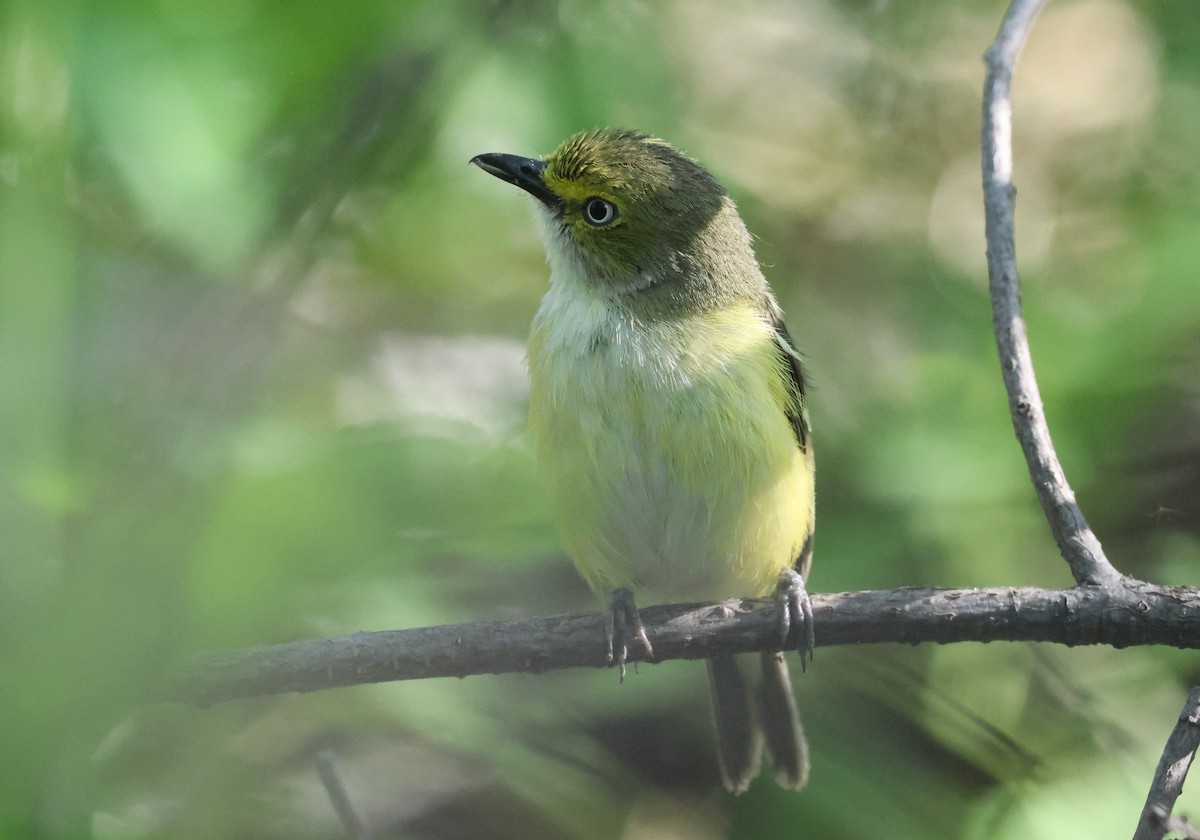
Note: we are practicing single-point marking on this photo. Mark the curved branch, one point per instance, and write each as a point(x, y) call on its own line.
point(1133, 614)
point(1078, 544)
point(1172, 770)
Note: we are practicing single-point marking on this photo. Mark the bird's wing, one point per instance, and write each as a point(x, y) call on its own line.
point(797, 415)
point(797, 411)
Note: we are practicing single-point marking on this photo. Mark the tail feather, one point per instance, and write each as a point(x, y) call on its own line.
point(780, 721)
point(739, 744)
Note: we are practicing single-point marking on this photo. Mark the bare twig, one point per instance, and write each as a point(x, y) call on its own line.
point(1135, 614)
point(1076, 541)
point(327, 770)
point(1167, 824)
point(1172, 770)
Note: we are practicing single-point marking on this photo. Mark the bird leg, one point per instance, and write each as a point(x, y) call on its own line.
point(795, 615)
point(622, 622)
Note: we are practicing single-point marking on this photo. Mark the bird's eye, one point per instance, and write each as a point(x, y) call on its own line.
point(597, 211)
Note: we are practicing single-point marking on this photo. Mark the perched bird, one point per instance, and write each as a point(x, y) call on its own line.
point(668, 407)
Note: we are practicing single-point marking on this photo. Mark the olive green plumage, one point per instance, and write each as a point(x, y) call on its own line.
point(668, 404)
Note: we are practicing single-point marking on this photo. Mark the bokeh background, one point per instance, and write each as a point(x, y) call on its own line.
point(261, 337)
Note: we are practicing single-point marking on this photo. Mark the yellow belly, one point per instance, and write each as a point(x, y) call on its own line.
point(674, 469)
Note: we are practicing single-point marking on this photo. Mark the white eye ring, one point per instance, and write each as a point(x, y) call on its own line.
point(598, 212)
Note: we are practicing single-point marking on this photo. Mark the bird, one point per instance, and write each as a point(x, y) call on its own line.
point(670, 416)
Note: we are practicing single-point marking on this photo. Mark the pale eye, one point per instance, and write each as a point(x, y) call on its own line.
point(597, 211)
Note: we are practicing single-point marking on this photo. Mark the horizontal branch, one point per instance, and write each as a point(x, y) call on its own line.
point(1133, 613)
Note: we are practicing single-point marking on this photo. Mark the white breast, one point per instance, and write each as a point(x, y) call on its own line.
point(666, 452)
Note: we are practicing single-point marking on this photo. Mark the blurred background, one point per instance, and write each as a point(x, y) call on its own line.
point(261, 379)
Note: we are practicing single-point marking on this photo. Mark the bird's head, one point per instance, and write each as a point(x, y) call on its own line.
point(625, 212)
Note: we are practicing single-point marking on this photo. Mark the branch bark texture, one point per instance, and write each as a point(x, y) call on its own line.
point(1130, 614)
point(1076, 540)
point(1172, 770)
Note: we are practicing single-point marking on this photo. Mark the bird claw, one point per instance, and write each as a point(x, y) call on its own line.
point(621, 622)
point(795, 614)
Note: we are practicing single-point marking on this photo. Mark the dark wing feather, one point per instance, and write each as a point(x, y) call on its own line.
point(797, 412)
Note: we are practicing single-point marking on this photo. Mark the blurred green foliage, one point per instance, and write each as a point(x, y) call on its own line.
point(261, 379)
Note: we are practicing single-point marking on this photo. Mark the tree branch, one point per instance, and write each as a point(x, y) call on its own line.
point(1178, 825)
point(1172, 770)
point(327, 771)
point(1078, 544)
point(1132, 614)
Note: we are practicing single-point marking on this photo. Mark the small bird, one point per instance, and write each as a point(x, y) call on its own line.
point(668, 407)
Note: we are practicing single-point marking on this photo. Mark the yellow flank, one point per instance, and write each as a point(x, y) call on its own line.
point(672, 460)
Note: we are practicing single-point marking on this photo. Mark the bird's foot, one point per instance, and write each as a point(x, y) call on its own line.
point(622, 622)
point(795, 615)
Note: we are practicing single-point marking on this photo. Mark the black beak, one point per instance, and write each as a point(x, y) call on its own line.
point(525, 173)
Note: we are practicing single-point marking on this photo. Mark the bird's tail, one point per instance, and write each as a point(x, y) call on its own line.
point(739, 744)
point(742, 729)
point(780, 721)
